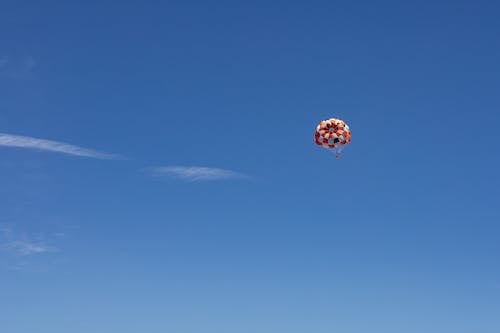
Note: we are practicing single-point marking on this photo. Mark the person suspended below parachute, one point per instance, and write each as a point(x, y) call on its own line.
point(333, 134)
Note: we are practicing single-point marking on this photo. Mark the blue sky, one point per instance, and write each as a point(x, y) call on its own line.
point(158, 171)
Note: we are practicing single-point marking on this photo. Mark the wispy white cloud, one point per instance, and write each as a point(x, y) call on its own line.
point(31, 251)
point(197, 173)
point(21, 244)
point(17, 141)
point(26, 247)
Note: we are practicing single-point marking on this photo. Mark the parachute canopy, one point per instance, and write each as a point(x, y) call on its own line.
point(333, 134)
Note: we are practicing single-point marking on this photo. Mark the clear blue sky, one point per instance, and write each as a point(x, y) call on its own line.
point(399, 235)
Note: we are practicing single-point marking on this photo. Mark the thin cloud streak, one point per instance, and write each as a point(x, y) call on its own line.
point(22, 245)
point(197, 173)
point(17, 141)
point(26, 248)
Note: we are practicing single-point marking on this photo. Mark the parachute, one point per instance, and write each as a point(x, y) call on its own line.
point(333, 134)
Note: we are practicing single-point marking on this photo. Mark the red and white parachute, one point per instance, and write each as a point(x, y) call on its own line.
point(333, 134)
